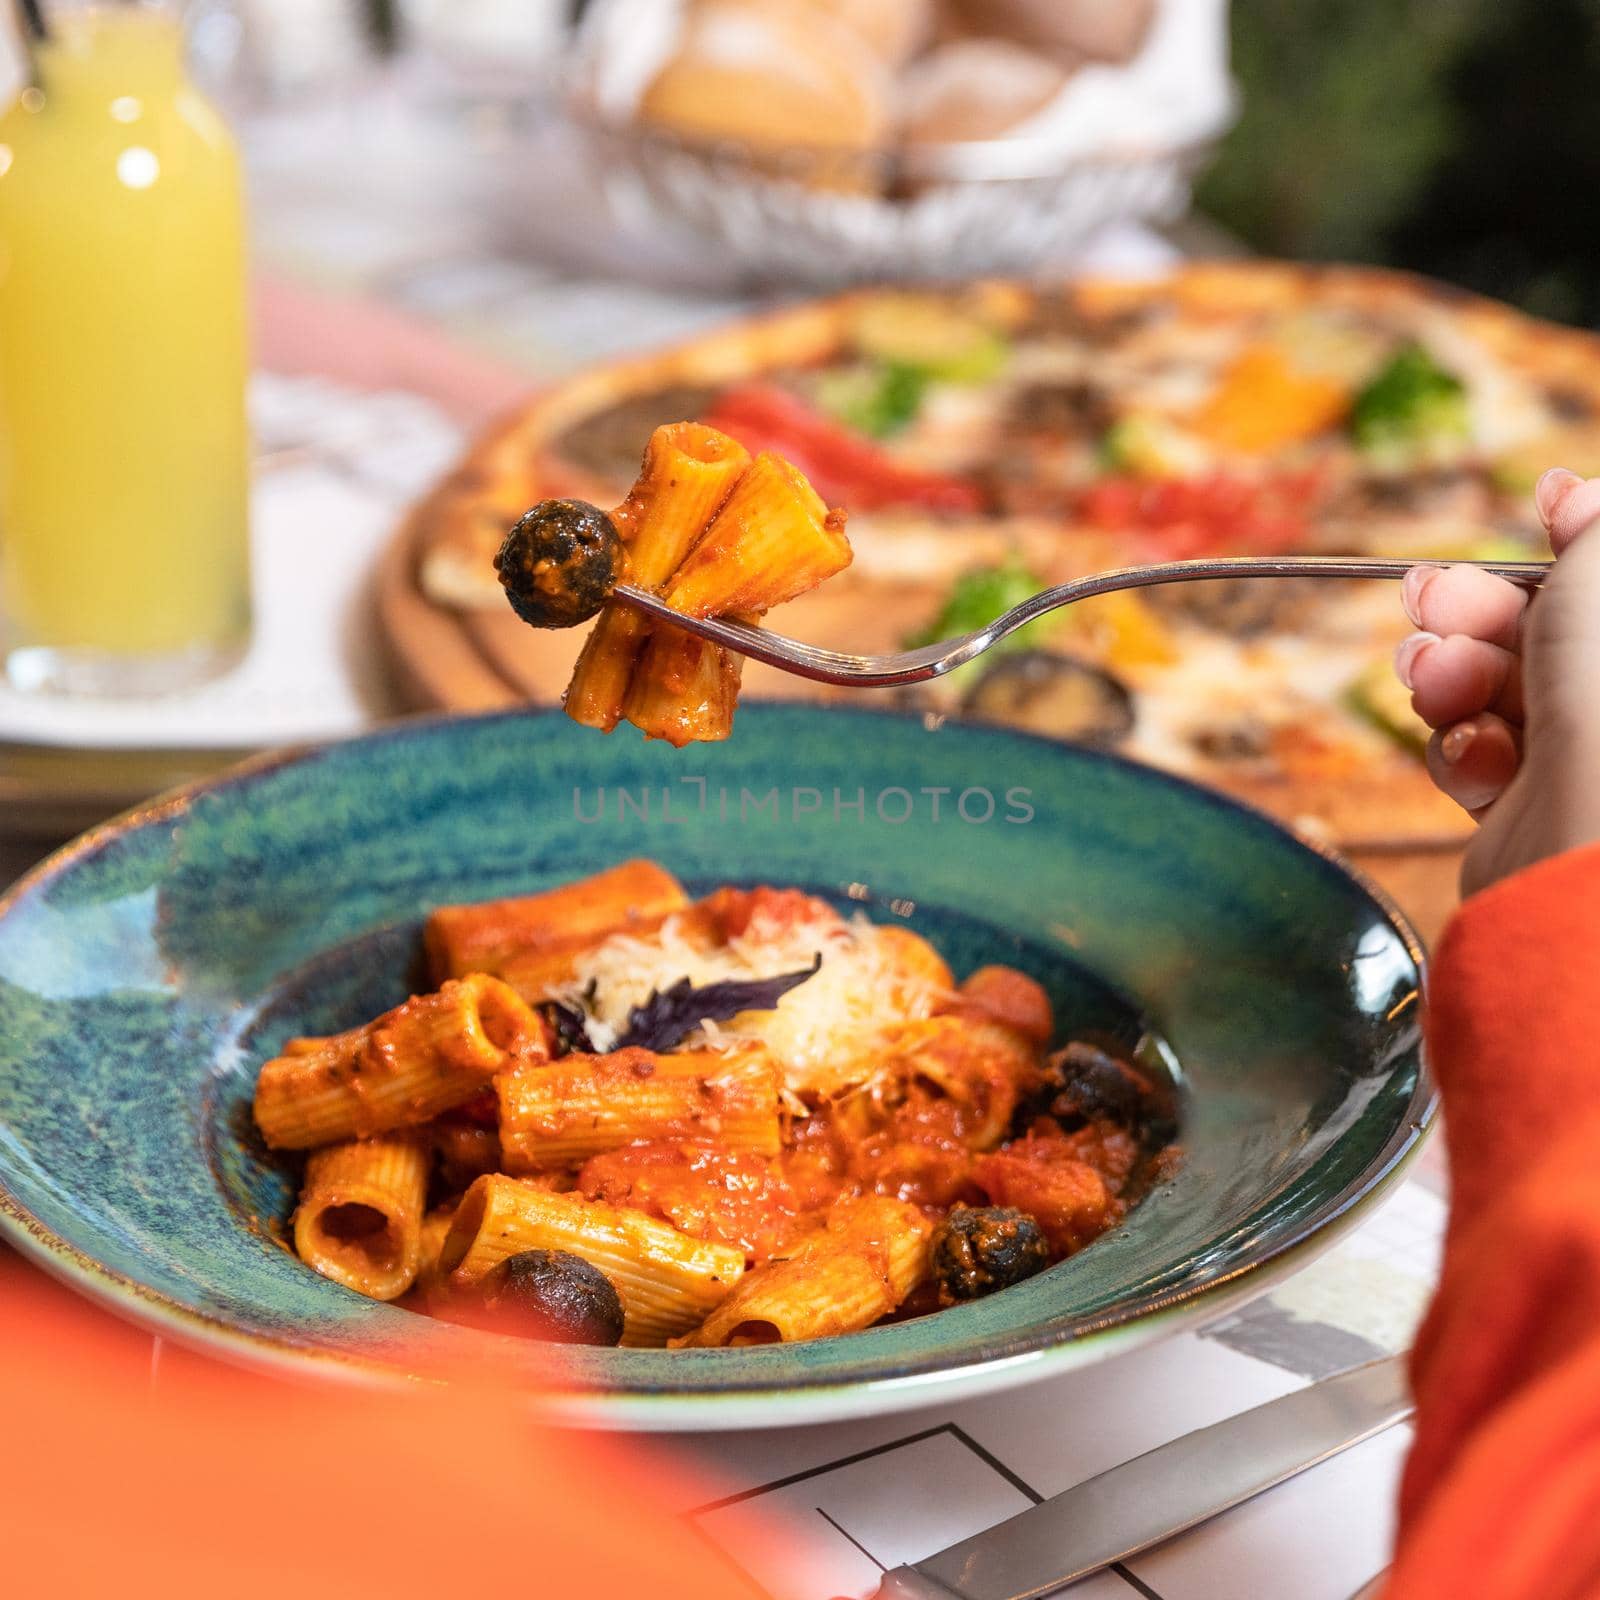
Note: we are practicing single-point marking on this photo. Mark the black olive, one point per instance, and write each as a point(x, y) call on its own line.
point(552, 1294)
point(1055, 695)
point(1082, 1083)
point(978, 1249)
point(559, 563)
point(1087, 1085)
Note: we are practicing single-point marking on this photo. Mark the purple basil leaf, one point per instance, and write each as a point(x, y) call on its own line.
point(671, 1014)
point(570, 1027)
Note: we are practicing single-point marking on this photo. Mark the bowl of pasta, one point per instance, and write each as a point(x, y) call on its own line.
point(853, 1060)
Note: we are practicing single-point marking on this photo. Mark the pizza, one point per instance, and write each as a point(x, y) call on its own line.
point(992, 439)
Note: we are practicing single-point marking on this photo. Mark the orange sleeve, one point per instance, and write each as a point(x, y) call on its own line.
point(1502, 1492)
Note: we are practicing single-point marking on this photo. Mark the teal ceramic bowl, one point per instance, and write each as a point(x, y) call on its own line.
point(146, 970)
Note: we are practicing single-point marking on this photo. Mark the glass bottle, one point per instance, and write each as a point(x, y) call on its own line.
point(124, 454)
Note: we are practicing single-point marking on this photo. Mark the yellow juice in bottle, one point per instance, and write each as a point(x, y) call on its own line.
point(124, 466)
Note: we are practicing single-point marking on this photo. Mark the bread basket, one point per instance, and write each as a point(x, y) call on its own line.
point(823, 215)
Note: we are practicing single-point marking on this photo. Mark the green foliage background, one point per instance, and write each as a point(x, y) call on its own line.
point(1456, 137)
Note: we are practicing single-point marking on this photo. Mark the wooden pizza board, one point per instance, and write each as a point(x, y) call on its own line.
point(449, 660)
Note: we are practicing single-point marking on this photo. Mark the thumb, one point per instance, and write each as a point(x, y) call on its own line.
point(1561, 630)
point(1567, 505)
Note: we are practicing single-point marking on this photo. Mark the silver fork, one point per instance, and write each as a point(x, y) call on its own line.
point(933, 660)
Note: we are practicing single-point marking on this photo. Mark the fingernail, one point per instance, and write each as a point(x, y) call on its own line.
point(1454, 745)
point(1407, 652)
point(1551, 489)
point(1411, 587)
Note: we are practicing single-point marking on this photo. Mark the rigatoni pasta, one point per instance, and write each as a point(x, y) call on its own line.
point(868, 1256)
point(772, 540)
point(359, 1221)
point(737, 1120)
point(559, 1115)
point(667, 1281)
point(684, 689)
point(632, 897)
point(688, 472)
point(435, 1229)
point(704, 527)
point(424, 1057)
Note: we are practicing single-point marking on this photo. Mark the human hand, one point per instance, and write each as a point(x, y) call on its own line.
point(1511, 690)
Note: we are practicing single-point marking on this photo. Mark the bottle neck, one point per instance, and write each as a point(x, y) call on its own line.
point(109, 52)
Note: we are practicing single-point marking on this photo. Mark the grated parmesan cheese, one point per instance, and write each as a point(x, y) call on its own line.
point(824, 1034)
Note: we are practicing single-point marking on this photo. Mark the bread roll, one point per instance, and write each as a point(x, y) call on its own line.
point(976, 89)
point(770, 74)
point(1071, 30)
point(894, 30)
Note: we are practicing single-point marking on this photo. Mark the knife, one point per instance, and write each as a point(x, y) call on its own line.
point(1164, 1492)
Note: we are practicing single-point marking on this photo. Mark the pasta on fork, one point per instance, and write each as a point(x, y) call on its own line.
point(629, 1116)
point(715, 533)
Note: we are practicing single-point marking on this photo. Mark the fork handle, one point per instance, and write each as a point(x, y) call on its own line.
point(1529, 575)
point(1526, 574)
